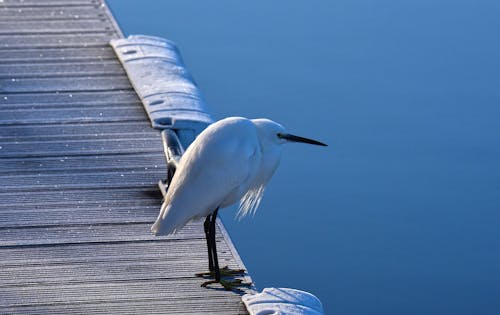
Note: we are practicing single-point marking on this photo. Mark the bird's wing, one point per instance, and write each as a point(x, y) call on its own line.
point(214, 172)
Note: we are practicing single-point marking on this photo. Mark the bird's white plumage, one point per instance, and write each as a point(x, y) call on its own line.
point(231, 160)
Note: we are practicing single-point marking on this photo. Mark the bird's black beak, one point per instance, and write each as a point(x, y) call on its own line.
point(293, 138)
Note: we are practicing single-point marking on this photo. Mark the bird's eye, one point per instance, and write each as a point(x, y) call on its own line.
point(280, 135)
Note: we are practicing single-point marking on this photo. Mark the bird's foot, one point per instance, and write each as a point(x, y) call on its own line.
point(232, 283)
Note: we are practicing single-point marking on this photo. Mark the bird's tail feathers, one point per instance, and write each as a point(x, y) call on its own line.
point(166, 224)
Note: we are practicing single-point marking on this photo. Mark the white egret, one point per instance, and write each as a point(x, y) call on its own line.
point(231, 160)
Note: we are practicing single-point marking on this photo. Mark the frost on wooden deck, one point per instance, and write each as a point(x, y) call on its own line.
point(79, 164)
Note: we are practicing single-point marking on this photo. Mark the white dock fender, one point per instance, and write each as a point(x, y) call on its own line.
point(274, 301)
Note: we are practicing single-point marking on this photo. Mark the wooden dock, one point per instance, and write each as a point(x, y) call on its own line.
point(79, 164)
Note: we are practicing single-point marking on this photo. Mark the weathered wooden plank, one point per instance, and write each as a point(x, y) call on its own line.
point(61, 98)
point(82, 40)
point(68, 105)
point(69, 83)
point(96, 215)
point(172, 290)
point(145, 306)
point(78, 147)
point(52, 13)
point(45, 3)
point(22, 136)
point(66, 254)
point(58, 55)
point(42, 70)
point(82, 114)
point(61, 132)
point(54, 27)
point(91, 233)
point(70, 199)
point(80, 164)
point(73, 180)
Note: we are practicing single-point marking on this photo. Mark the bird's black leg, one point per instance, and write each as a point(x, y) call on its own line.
point(210, 237)
point(213, 262)
point(206, 226)
point(214, 246)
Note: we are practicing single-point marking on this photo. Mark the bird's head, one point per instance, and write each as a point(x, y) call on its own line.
point(273, 133)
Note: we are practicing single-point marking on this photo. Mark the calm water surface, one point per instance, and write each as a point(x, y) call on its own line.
point(401, 213)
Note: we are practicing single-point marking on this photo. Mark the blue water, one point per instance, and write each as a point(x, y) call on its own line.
point(401, 213)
